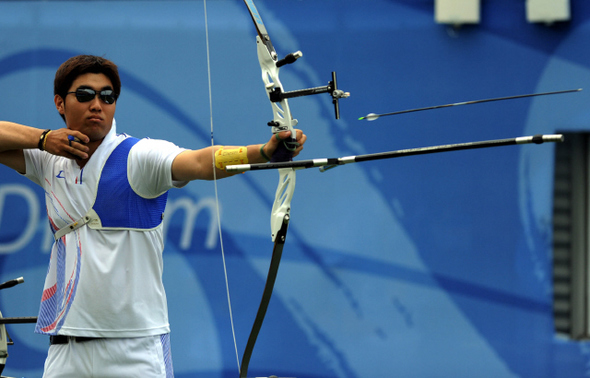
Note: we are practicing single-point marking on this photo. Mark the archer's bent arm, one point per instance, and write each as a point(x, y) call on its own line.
point(198, 164)
point(14, 138)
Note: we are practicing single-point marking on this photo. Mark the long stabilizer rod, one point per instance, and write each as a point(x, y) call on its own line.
point(373, 116)
point(328, 163)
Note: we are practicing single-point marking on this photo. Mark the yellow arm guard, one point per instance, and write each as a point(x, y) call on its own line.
point(232, 156)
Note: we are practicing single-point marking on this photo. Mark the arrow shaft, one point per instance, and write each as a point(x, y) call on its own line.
point(475, 102)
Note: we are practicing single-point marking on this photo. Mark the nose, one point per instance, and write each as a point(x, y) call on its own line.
point(95, 104)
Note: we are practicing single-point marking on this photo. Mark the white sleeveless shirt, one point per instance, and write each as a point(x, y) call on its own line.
point(103, 283)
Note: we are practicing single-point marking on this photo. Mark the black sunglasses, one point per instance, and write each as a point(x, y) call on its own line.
point(108, 96)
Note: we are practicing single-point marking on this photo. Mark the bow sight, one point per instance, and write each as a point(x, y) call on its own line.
point(277, 95)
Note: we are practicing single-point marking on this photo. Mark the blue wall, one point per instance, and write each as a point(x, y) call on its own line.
point(430, 266)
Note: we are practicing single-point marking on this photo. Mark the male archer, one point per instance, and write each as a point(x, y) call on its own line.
point(103, 304)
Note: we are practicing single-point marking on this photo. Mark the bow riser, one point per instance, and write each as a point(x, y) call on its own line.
point(282, 121)
point(282, 118)
point(282, 202)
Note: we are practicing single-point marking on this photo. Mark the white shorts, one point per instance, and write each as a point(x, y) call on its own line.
point(144, 357)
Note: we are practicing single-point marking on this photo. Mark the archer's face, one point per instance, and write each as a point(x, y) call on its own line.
point(93, 118)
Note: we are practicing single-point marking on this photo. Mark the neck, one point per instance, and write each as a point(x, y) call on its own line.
point(93, 146)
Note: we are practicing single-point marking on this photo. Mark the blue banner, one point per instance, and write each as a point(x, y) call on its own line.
point(425, 266)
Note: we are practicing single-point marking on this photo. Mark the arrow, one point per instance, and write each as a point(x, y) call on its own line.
point(373, 116)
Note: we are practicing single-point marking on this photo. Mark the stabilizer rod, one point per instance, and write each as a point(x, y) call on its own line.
point(327, 163)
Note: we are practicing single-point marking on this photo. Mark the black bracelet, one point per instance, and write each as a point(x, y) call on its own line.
point(42, 139)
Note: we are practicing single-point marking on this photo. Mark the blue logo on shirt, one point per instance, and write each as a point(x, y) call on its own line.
point(60, 174)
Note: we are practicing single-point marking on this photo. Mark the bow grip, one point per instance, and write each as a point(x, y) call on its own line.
point(284, 151)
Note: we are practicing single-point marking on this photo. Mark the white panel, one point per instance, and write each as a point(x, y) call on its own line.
point(547, 10)
point(456, 11)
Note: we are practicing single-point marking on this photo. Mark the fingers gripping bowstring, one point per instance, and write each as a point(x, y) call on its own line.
point(231, 318)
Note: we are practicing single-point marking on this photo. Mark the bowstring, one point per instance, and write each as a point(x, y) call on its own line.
point(231, 318)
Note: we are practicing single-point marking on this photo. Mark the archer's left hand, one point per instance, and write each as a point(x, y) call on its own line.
point(274, 141)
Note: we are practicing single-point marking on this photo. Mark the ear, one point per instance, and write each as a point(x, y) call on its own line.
point(60, 104)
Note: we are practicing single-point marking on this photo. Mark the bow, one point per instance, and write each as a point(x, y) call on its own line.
point(282, 121)
point(5, 339)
